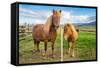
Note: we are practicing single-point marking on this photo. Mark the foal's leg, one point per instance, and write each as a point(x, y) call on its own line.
point(73, 47)
point(69, 47)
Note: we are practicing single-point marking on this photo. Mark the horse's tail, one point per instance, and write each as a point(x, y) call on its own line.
point(77, 30)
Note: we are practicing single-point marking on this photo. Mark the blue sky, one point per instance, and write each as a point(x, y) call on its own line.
point(38, 14)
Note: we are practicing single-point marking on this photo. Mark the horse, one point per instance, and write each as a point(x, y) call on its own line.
point(47, 32)
point(71, 35)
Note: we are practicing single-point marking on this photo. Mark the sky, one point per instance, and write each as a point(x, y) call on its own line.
point(34, 14)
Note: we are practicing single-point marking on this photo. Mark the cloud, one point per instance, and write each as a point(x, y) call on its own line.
point(81, 18)
point(91, 19)
point(66, 17)
point(84, 18)
point(37, 16)
point(34, 14)
point(38, 21)
point(41, 16)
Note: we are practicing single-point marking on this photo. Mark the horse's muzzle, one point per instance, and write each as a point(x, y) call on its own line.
point(56, 27)
point(65, 37)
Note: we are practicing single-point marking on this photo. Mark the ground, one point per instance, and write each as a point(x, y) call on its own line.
point(85, 49)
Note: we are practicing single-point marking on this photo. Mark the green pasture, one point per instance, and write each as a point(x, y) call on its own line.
point(85, 49)
point(28, 54)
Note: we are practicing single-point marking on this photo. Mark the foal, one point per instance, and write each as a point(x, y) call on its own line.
point(71, 35)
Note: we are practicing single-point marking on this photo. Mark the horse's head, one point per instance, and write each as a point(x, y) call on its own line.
point(67, 31)
point(56, 18)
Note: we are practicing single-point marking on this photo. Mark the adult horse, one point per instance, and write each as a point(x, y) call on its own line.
point(47, 32)
point(71, 35)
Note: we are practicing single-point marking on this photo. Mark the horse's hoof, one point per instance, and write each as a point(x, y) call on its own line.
point(44, 57)
point(34, 51)
point(68, 52)
point(53, 56)
point(72, 55)
point(38, 50)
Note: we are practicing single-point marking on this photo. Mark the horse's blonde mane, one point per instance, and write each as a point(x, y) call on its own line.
point(47, 25)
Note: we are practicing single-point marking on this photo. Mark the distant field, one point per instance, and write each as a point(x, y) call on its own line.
point(86, 27)
point(85, 49)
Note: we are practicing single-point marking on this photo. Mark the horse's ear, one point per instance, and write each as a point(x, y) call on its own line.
point(68, 25)
point(53, 11)
point(60, 11)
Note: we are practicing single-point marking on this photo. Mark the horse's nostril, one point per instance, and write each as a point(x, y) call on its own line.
point(65, 38)
point(57, 26)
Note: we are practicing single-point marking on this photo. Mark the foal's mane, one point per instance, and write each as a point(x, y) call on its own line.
point(71, 27)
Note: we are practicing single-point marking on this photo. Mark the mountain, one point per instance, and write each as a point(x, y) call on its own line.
point(91, 21)
point(85, 24)
point(82, 24)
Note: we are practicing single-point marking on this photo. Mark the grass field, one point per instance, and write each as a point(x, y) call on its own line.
point(28, 54)
point(85, 49)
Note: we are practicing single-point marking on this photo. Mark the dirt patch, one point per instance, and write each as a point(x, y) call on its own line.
point(39, 57)
point(67, 57)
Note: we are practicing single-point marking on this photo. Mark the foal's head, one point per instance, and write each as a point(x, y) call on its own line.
point(56, 18)
point(67, 30)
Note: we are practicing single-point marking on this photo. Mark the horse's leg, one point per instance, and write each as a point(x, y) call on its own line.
point(38, 46)
point(52, 48)
point(73, 47)
point(69, 47)
point(34, 45)
point(45, 45)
